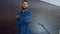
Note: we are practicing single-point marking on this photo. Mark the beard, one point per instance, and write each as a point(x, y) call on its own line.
point(24, 8)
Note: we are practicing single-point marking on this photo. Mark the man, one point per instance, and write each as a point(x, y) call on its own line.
point(23, 19)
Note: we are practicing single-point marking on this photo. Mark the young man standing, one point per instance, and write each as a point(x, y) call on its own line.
point(23, 19)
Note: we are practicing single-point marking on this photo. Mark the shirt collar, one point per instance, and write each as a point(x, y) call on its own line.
point(25, 11)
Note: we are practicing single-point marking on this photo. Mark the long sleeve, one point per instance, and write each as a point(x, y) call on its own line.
point(17, 19)
point(28, 16)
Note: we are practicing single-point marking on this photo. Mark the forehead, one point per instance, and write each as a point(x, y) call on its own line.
point(25, 3)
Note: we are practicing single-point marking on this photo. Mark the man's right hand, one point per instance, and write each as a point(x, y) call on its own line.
point(16, 17)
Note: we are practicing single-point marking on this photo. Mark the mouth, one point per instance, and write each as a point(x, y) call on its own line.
point(24, 8)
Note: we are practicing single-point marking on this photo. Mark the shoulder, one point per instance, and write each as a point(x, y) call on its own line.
point(29, 11)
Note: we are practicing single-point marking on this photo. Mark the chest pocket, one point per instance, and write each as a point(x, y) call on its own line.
point(22, 17)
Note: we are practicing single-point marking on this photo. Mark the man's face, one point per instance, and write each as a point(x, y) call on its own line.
point(25, 5)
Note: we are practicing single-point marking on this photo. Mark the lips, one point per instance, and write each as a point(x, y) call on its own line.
point(24, 8)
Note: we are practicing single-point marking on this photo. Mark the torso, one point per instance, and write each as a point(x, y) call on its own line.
point(23, 16)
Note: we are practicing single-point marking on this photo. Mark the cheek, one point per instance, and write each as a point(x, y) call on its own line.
point(22, 5)
point(26, 5)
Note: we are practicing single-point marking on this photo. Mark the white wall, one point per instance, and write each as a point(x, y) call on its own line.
point(59, 31)
point(47, 15)
point(55, 2)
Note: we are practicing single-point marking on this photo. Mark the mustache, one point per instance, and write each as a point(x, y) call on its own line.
point(24, 8)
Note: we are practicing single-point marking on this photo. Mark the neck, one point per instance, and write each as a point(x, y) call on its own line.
point(23, 11)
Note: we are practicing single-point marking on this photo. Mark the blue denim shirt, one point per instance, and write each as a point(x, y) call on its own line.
point(23, 17)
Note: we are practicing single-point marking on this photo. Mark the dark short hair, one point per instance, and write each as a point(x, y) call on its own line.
point(25, 1)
